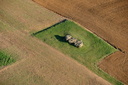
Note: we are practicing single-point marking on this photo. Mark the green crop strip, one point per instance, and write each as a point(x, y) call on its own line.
point(5, 59)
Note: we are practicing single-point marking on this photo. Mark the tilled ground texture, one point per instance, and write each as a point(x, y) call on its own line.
point(108, 19)
point(42, 65)
point(26, 15)
point(122, 67)
point(37, 63)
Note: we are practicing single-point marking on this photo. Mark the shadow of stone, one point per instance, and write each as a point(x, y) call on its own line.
point(60, 38)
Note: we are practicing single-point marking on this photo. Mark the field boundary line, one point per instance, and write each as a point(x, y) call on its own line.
point(12, 65)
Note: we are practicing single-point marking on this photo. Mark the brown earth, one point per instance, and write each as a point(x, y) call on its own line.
point(42, 64)
point(107, 19)
point(113, 60)
point(37, 63)
point(27, 15)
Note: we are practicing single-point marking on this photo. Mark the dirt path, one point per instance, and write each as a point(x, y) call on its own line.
point(108, 19)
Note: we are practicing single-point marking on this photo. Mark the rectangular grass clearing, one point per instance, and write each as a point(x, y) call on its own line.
point(5, 59)
point(90, 54)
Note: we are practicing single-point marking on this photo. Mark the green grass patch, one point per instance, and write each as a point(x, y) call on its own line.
point(5, 59)
point(90, 54)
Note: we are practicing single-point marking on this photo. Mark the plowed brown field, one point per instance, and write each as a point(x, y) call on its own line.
point(27, 15)
point(106, 18)
point(114, 60)
point(38, 63)
point(42, 65)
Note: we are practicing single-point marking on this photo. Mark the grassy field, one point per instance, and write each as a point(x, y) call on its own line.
point(36, 62)
point(5, 59)
point(94, 48)
point(107, 19)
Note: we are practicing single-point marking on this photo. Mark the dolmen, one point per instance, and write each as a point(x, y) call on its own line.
point(72, 40)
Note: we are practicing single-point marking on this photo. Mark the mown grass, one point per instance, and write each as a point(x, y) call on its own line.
point(90, 54)
point(5, 59)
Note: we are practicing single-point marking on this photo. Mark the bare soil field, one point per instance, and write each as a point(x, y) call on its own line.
point(37, 63)
point(26, 15)
point(107, 19)
point(41, 64)
point(122, 72)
